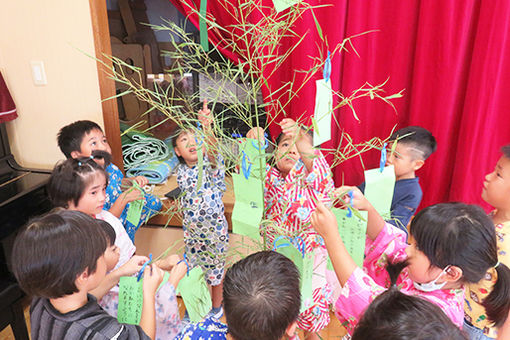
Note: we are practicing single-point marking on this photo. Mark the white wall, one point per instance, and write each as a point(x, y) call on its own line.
point(51, 31)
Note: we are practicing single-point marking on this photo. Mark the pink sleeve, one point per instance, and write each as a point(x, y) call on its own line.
point(390, 246)
point(357, 293)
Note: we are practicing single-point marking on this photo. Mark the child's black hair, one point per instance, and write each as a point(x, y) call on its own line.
point(71, 177)
point(308, 132)
point(417, 137)
point(506, 151)
point(261, 296)
point(108, 231)
point(395, 315)
point(54, 249)
point(463, 235)
point(69, 137)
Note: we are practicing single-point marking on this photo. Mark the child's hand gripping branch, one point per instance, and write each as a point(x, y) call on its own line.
point(375, 222)
point(126, 197)
point(324, 222)
point(152, 277)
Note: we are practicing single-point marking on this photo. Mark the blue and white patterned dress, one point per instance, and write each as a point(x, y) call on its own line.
point(204, 223)
point(151, 205)
point(207, 329)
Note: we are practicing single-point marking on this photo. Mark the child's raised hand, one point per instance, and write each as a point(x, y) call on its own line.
point(256, 133)
point(289, 127)
point(141, 180)
point(132, 266)
point(204, 115)
point(324, 221)
point(359, 200)
point(152, 277)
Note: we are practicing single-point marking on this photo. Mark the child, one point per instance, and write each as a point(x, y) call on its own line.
point(79, 184)
point(204, 223)
point(301, 178)
point(450, 244)
point(393, 315)
point(59, 259)
point(80, 139)
point(414, 145)
point(261, 298)
point(479, 320)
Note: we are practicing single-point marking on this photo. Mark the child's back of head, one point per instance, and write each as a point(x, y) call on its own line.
point(54, 249)
point(395, 315)
point(419, 139)
point(70, 137)
point(261, 296)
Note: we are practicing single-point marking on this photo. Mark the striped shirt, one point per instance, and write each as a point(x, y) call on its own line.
point(89, 322)
point(290, 200)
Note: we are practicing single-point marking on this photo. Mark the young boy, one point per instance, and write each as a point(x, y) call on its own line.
point(58, 259)
point(414, 145)
point(80, 139)
point(261, 298)
point(496, 192)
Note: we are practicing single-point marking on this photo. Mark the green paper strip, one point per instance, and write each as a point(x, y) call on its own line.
point(379, 187)
point(131, 299)
point(248, 207)
point(200, 165)
point(353, 232)
point(281, 5)
point(195, 294)
point(135, 208)
point(204, 42)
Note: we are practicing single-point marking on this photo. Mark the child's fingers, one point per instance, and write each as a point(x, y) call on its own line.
point(204, 106)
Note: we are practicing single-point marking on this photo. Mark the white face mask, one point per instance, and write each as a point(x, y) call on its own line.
point(432, 285)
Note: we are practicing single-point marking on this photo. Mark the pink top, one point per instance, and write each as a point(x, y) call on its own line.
point(365, 285)
point(290, 200)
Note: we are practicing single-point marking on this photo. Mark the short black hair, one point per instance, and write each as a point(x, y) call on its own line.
point(419, 138)
point(394, 315)
point(178, 130)
point(53, 249)
point(309, 133)
point(464, 236)
point(71, 177)
point(108, 231)
point(261, 296)
point(506, 151)
point(69, 137)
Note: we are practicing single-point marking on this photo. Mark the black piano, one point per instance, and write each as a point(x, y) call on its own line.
point(22, 196)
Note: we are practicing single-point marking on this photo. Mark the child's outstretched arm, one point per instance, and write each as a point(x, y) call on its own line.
point(152, 277)
point(124, 198)
point(129, 268)
point(206, 119)
point(375, 222)
point(177, 273)
point(324, 222)
point(303, 142)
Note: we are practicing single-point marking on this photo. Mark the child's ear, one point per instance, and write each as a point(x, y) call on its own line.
point(291, 330)
point(75, 154)
point(177, 151)
point(418, 164)
point(81, 279)
point(453, 274)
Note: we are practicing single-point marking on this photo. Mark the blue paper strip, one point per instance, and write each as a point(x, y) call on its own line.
point(245, 166)
point(140, 273)
point(382, 162)
point(326, 73)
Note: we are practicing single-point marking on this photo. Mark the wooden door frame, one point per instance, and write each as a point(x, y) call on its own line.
point(102, 45)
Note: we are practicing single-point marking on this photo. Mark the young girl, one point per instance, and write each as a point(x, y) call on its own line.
point(79, 184)
point(450, 244)
point(479, 320)
point(204, 223)
point(300, 178)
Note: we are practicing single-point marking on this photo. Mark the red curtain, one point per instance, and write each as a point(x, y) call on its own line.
point(452, 58)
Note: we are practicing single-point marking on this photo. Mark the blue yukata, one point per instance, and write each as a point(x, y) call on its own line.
point(151, 205)
point(406, 199)
point(204, 224)
point(207, 329)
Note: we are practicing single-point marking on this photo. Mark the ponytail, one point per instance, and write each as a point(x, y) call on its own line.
point(497, 303)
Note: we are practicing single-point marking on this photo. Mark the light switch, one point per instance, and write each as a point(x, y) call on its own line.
point(38, 73)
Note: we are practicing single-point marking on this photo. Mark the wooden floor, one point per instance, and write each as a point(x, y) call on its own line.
point(333, 331)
